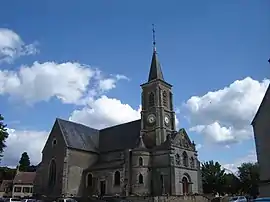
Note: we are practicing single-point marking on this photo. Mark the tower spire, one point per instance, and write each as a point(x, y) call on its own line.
point(155, 69)
point(154, 37)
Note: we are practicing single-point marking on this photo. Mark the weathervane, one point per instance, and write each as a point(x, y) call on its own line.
point(154, 37)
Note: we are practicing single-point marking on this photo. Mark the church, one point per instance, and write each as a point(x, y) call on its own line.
point(145, 157)
point(261, 129)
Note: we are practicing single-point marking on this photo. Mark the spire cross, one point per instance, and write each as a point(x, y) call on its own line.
point(154, 37)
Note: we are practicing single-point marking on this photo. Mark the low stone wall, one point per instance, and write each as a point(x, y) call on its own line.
point(195, 198)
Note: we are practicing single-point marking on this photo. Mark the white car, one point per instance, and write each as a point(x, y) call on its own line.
point(12, 200)
point(28, 200)
point(238, 199)
point(66, 200)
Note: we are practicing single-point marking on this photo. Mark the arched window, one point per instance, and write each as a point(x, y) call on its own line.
point(162, 181)
point(117, 178)
point(140, 161)
point(89, 180)
point(54, 142)
point(165, 98)
point(185, 159)
point(177, 159)
point(52, 173)
point(151, 99)
point(140, 179)
point(171, 98)
point(192, 163)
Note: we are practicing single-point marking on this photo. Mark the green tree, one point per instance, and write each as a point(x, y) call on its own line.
point(24, 162)
point(232, 184)
point(249, 177)
point(213, 177)
point(7, 173)
point(3, 135)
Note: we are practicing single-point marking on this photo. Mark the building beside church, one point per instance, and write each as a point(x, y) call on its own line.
point(145, 157)
point(261, 128)
point(23, 183)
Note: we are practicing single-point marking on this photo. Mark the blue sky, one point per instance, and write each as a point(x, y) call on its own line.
point(203, 46)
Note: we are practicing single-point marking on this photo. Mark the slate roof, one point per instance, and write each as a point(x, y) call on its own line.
point(78, 136)
point(155, 69)
point(266, 95)
point(107, 165)
point(24, 178)
point(119, 137)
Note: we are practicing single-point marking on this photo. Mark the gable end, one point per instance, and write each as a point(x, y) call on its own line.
point(267, 93)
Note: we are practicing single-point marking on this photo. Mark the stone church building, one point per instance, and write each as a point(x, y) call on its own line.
point(146, 157)
point(261, 128)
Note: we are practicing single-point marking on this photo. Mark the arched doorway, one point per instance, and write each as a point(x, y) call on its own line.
point(185, 185)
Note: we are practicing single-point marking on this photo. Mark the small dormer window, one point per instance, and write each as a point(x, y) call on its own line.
point(54, 142)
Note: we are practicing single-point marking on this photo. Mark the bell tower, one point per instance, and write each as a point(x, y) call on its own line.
point(157, 115)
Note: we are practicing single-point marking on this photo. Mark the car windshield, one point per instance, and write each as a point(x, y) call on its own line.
point(14, 199)
point(233, 198)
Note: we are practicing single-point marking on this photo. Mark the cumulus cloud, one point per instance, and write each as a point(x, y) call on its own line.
point(104, 112)
point(72, 83)
point(18, 142)
point(250, 158)
point(224, 116)
point(198, 146)
point(12, 46)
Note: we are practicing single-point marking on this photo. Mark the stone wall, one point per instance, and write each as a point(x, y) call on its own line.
point(137, 188)
point(261, 130)
point(195, 198)
point(52, 151)
point(76, 162)
point(190, 171)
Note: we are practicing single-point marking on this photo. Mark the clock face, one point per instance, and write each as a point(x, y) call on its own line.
point(151, 119)
point(166, 120)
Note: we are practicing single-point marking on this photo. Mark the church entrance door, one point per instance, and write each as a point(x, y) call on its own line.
point(102, 187)
point(185, 185)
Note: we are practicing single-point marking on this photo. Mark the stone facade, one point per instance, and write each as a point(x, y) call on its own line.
point(261, 128)
point(147, 157)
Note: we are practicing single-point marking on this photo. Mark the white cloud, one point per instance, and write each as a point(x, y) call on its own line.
point(18, 142)
point(70, 82)
point(12, 46)
point(224, 116)
point(105, 112)
point(198, 146)
point(250, 158)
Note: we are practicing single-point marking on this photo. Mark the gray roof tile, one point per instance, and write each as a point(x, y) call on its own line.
point(24, 178)
point(107, 165)
point(119, 137)
point(78, 136)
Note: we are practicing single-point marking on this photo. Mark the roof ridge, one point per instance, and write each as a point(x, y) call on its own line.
point(261, 104)
point(73, 122)
point(119, 125)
